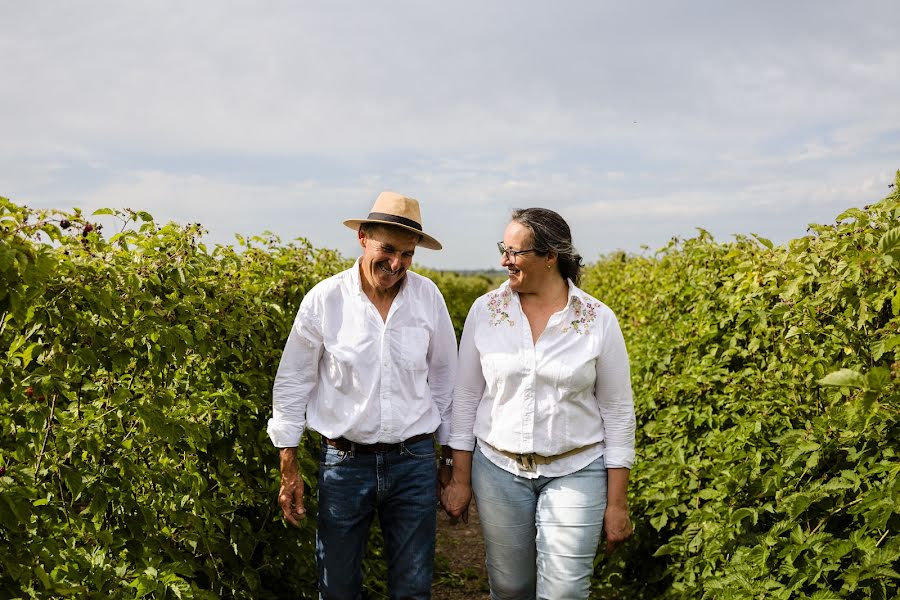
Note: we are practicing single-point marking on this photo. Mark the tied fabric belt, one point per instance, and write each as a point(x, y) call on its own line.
point(345, 445)
point(530, 461)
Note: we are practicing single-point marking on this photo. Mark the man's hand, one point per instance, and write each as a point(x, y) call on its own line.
point(290, 496)
point(455, 499)
point(617, 525)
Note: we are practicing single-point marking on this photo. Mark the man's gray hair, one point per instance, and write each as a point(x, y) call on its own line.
point(371, 228)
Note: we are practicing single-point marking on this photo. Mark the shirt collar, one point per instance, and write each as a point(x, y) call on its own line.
point(574, 294)
point(356, 280)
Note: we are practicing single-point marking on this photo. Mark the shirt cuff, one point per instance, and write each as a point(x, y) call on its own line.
point(462, 442)
point(618, 458)
point(442, 434)
point(284, 435)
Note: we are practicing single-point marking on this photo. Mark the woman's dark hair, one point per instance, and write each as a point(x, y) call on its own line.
point(551, 233)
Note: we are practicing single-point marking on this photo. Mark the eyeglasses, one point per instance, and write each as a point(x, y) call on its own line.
point(511, 254)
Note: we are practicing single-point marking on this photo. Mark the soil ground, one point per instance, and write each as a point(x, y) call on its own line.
point(459, 571)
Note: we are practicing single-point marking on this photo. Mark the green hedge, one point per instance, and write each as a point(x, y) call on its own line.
point(135, 385)
point(136, 373)
point(766, 387)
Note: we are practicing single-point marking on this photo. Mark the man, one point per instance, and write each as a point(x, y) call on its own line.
point(370, 364)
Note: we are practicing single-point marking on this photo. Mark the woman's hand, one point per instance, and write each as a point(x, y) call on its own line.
point(455, 499)
point(617, 525)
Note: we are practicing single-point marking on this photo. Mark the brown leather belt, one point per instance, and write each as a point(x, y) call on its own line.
point(530, 461)
point(345, 445)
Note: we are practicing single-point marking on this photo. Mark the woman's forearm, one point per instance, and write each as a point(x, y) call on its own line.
point(616, 486)
point(462, 466)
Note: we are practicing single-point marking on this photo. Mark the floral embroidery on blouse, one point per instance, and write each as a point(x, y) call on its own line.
point(497, 306)
point(585, 313)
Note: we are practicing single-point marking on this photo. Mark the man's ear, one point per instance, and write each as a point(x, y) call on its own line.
point(362, 237)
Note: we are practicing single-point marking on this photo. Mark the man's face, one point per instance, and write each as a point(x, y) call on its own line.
point(387, 254)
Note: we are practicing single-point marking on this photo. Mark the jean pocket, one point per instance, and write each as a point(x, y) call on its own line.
point(423, 449)
point(331, 456)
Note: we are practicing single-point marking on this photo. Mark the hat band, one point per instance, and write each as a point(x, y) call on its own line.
point(377, 216)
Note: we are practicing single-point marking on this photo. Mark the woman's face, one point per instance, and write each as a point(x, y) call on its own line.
point(526, 271)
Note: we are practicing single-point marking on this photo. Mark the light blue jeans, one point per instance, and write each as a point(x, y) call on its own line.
point(540, 535)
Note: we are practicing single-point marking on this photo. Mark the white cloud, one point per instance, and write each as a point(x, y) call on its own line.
point(637, 120)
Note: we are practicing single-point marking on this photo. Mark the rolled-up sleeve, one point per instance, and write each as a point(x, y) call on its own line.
point(296, 380)
point(469, 387)
point(442, 366)
point(613, 390)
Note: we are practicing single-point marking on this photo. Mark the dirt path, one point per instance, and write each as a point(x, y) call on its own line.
point(459, 571)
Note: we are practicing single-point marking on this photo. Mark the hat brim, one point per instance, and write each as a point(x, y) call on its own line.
point(426, 241)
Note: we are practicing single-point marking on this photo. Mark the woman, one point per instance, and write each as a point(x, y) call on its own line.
point(543, 387)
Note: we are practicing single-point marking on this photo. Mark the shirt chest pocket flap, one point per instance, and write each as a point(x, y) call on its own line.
point(413, 348)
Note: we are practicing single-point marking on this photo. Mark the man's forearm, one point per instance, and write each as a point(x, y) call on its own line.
point(288, 461)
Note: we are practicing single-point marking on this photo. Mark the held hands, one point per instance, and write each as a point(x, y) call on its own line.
point(457, 493)
point(290, 496)
point(617, 525)
point(455, 499)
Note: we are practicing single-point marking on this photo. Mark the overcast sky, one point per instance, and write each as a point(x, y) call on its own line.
point(636, 121)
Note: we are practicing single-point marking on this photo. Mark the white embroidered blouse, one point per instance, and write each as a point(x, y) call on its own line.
point(569, 390)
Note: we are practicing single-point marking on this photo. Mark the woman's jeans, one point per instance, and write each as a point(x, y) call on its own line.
point(540, 535)
point(400, 487)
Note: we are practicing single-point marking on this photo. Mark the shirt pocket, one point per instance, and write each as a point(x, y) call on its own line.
point(413, 348)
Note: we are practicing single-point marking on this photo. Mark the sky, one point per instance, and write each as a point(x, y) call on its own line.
point(636, 121)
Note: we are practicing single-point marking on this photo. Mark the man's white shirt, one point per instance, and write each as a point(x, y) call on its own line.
point(345, 372)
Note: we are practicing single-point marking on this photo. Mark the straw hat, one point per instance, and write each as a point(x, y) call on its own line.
point(391, 208)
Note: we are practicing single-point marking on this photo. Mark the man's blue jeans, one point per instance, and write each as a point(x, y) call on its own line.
point(400, 487)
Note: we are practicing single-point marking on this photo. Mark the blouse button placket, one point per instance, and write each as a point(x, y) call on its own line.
point(529, 351)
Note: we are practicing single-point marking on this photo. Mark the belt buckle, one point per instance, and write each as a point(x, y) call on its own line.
point(526, 461)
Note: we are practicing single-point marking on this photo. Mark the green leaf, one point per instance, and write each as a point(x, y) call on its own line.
point(852, 213)
point(844, 378)
point(659, 521)
point(103, 211)
point(743, 513)
point(884, 345)
point(878, 378)
point(42, 576)
point(710, 494)
point(72, 479)
point(765, 242)
point(890, 241)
